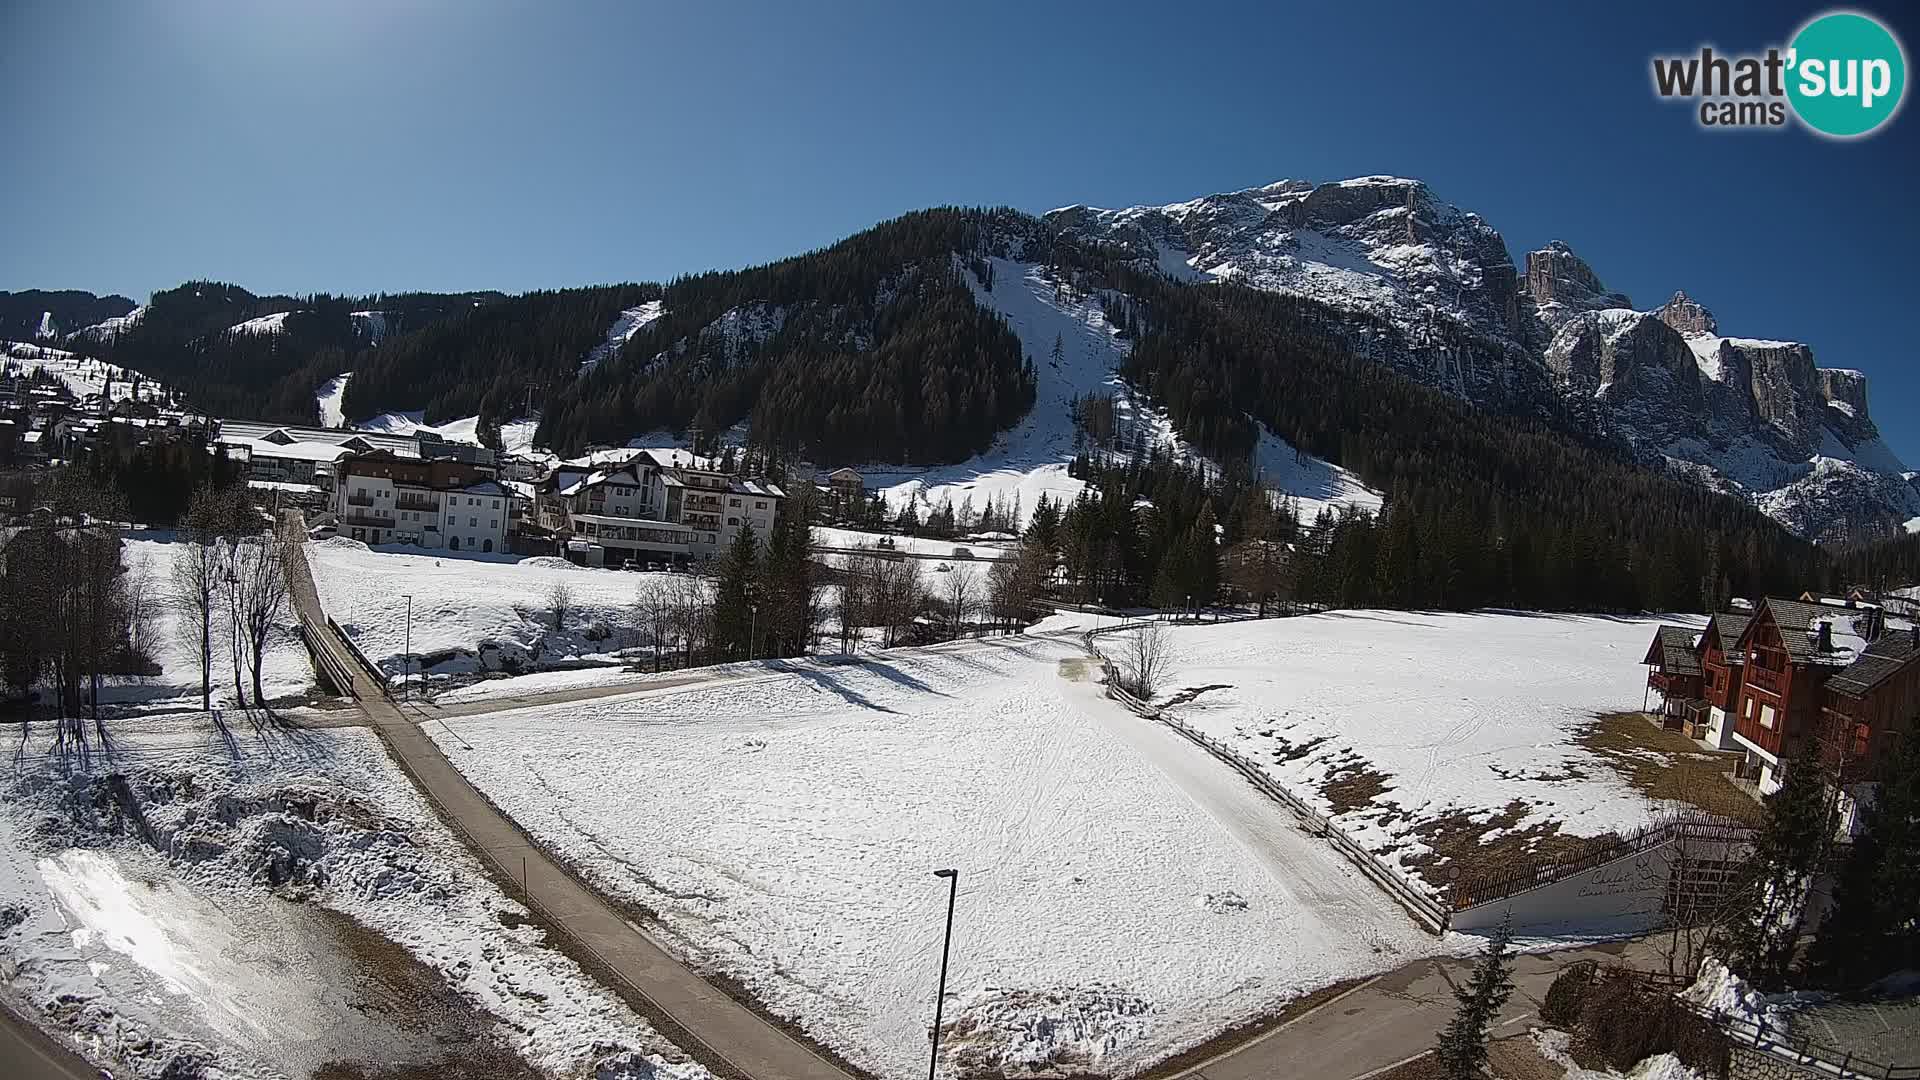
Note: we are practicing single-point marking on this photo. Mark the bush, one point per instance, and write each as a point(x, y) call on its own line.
point(1622, 1022)
point(597, 632)
point(1561, 1008)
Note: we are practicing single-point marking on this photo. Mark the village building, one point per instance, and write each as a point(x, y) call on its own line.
point(1722, 667)
point(380, 497)
point(645, 506)
point(1673, 663)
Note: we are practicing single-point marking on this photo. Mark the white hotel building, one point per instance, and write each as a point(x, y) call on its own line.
point(382, 498)
point(645, 506)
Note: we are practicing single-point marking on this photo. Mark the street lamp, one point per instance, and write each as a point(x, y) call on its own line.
point(406, 658)
point(940, 1000)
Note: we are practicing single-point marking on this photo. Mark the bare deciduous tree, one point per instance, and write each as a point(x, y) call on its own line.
point(198, 575)
point(559, 604)
point(257, 599)
point(654, 611)
point(1147, 656)
point(959, 598)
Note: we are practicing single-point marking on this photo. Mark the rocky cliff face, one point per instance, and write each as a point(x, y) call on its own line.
point(1754, 416)
point(1382, 245)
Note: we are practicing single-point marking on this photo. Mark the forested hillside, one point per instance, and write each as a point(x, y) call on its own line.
point(237, 354)
point(64, 310)
point(870, 350)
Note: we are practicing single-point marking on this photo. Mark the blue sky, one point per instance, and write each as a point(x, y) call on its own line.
point(357, 147)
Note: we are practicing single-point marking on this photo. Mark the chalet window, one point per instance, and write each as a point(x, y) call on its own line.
point(759, 504)
point(733, 521)
point(451, 520)
point(733, 502)
point(493, 523)
point(473, 523)
point(496, 504)
point(1766, 716)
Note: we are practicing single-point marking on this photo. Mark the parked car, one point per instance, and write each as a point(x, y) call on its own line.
point(322, 532)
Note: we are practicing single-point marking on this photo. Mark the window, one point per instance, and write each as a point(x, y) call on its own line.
point(759, 504)
point(1766, 716)
point(496, 504)
point(733, 521)
point(493, 523)
point(733, 502)
point(451, 520)
point(473, 523)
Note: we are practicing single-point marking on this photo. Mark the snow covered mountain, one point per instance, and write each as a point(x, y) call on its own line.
point(1751, 416)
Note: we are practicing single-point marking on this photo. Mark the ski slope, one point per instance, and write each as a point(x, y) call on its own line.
point(329, 397)
point(1121, 897)
point(83, 375)
point(1031, 459)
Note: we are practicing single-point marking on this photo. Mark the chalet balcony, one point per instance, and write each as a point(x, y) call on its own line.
point(359, 500)
point(416, 502)
point(1773, 682)
point(377, 521)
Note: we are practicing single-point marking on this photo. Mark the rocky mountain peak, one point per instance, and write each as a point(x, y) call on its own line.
point(1563, 285)
point(1685, 314)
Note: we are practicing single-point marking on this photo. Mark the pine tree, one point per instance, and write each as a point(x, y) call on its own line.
point(734, 598)
point(1758, 940)
point(1873, 927)
point(1462, 1051)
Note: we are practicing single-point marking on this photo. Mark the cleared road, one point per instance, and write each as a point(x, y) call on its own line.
point(722, 1033)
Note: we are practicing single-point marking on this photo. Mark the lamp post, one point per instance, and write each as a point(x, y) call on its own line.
point(406, 658)
point(940, 1000)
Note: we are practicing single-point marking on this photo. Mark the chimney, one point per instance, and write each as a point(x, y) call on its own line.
point(1823, 641)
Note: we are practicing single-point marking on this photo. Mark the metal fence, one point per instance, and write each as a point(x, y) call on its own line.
point(1425, 909)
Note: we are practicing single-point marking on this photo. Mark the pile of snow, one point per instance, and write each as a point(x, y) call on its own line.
point(630, 322)
point(170, 910)
point(1461, 712)
point(471, 612)
point(1553, 1046)
point(1121, 895)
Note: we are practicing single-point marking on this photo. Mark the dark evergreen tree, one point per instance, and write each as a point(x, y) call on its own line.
point(1873, 927)
point(1462, 1051)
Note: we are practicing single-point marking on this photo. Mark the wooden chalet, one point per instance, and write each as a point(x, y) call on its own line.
point(1871, 705)
point(1673, 672)
point(1722, 665)
point(1791, 649)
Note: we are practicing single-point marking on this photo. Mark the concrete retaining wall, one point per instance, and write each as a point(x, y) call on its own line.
point(1627, 895)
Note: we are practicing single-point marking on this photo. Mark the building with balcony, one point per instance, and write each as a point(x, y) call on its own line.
point(650, 506)
point(382, 498)
point(1800, 660)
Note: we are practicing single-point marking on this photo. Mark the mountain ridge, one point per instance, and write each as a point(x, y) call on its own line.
point(1756, 417)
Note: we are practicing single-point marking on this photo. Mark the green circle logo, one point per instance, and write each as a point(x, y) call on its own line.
point(1846, 74)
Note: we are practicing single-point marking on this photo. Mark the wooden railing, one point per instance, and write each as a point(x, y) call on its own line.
point(1686, 826)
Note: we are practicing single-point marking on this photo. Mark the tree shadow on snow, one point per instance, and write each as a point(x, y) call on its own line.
point(831, 684)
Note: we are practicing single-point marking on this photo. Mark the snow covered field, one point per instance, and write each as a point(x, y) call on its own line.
point(1469, 712)
point(470, 613)
point(1121, 896)
point(263, 905)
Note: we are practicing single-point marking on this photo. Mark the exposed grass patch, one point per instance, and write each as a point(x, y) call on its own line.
point(1192, 692)
point(1667, 765)
point(1353, 787)
point(1456, 843)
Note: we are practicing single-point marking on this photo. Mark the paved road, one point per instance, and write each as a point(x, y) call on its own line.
point(724, 1033)
point(28, 1053)
point(1394, 1017)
